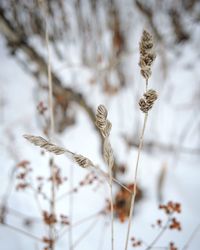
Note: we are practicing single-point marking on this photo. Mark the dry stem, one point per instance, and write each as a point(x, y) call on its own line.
point(52, 167)
point(133, 194)
point(147, 56)
point(21, 231)
point(104, 126)
point(159, 235)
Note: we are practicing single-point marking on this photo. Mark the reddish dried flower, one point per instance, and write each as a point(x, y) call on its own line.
point(41, 108)
point(48, 241)
point(21, 176)
point(172, 246)
point(136, 243)
point(22, 186)
point(171, 207)
point(23, 164)
point(175, 224)
point(122, 169)
point(123, 200)
point(49, 219)
point(64, 219)
point(58, 179)
point(159, 222)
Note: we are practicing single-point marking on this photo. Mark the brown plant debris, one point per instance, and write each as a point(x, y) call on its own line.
point(122, 201)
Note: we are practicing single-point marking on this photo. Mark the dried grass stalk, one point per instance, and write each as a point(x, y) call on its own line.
point(105, 126)
point(147, 56)
point(48, 146)
point(81, 160)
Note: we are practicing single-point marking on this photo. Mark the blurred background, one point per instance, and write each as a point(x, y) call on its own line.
point(94, 55)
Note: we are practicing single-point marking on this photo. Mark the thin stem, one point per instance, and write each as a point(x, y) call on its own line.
point(52, 203)
point(21, 231)
point(49, 80)
point(164, 228)
point(146, 85)
point(52, 166)
point(196, 230)
point(71, 201)
point(87, 231)
point(72, 190)
point(102, 237)
point(133, 194)
point(112, 209)
point(120, 184)
point(105, 175)
point(80, 222)
point(17, 213)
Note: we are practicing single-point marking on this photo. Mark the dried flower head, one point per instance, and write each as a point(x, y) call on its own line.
point(146, 103)
point(82, 161)
point(171, 207)
point(42, 143)
point(147, 56)
point(49, 218)
point(175, 224)
point(108, 153)
point(103, 124)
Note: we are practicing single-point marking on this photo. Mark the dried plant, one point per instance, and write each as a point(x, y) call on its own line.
point(171, 209)
point(104, 126)
point(147, 57)
point(16, 30)
point(81, 160)
point(42, 143)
